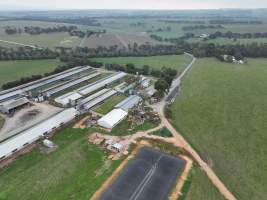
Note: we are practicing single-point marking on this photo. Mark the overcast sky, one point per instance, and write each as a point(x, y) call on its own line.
point(130, 4)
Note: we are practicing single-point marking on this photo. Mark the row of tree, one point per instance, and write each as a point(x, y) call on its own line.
point(26, 53)
point(36, 30)
point(230, 21)
point(232, 35)
point(201, 27)
point(115, 51)
point(88, 33)
point(182, 21)
point(253, 50)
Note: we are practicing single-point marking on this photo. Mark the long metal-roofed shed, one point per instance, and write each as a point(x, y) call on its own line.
point(70, 84)
point(112, 118)
point(99, 99)
point(16, 143)
point(101, 83)
point(13, 104)
point(129, 103)
point(41, 82)
point(93, 96)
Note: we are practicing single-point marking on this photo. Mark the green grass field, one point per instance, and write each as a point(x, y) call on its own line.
point(178, 62)
point(74, 171)
point(14, 70)
point(50, 40)
point(123, 128)
point(222, 112)
point(223, 41)
point(109, 104)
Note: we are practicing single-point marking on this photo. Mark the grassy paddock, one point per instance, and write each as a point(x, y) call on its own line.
point(109, 104)
point(74, 171)
point(222, 111)
point(178, 62)
point(14, 70)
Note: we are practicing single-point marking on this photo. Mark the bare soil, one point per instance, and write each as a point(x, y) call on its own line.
point(26, 118)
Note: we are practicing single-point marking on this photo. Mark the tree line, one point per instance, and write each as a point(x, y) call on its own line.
point(201, 27)
point(183, 21)
point(229, 21)
point(26, 53)
point(36, 30)
point(115, 51)
point(87, 33)
point(232, 35)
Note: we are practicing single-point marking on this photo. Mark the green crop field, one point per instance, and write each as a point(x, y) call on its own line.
point(14, 70)
point(222, 41)
point(50, 40)
point(222, 112)
point(178, 62)
point(109, 104)
point(74, 171)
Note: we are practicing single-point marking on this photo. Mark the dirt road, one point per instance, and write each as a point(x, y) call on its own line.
point(20, 44)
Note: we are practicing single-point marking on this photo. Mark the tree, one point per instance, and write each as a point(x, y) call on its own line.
point(161, 85)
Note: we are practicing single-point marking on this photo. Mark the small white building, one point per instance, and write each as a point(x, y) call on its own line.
point(48, 143)
point(117, 147)
point(112, 118)
point(68, 98)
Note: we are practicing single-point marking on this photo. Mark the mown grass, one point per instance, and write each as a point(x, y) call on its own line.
point(14, 70)
point(178, 62)
point(109, 104)
point(222, 111)
point(67, 173)
point(164, 132)
point(123, 128)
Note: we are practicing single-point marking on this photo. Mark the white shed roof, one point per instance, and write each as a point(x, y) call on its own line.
point(101, 83)
point(112, 118)
point(129, 103)
point(66, 98)
point(99, 99)
point(42, 82)
point(34, 133)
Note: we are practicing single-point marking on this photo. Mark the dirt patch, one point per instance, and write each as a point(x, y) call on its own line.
point(26, 118)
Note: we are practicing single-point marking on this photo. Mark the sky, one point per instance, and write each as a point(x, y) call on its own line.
point(129, 4)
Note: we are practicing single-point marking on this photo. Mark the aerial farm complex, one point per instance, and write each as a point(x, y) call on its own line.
point(35, 111)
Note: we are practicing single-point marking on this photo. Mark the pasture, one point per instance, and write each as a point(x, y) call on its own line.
point(109, 104)
point(74, 171)
point(14, 70)
point(222, 112)
point(178, 62)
